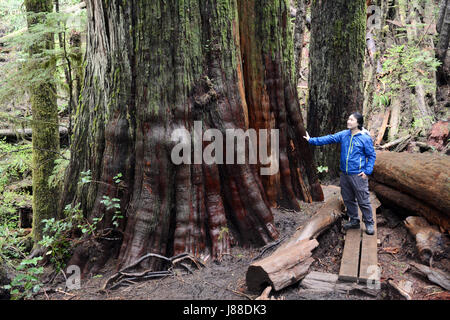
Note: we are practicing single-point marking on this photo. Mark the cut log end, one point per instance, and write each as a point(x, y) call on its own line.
point(281, 269)
point(257, 279)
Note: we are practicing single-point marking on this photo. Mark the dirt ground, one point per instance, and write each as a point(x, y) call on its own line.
point(225, 280)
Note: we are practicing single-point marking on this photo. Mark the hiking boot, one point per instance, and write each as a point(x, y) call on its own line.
point(352, 224)
point(369, 229)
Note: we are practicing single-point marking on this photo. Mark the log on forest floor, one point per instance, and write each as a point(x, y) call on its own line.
point(290, 263)
point(415, 180)
point(395, 142)
point(324, 218)
point(12, 135)
point(439, 277)
point(402, 288)
point(282, 269)
point(429, 241)
point(394, 197)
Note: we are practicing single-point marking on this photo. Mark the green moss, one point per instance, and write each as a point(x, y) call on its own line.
point(45, 140)
point(45, 150)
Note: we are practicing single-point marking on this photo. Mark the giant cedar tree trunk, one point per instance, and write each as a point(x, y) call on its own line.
point(154, 66)
point(338, 30)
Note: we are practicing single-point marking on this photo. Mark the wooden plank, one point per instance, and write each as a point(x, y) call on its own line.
point(359, 259)
point(350, 256)
point(369, 260)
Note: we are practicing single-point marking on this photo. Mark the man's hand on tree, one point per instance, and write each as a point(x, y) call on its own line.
point(307, 136)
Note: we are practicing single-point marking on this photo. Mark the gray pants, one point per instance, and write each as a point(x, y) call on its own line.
point(354, 187)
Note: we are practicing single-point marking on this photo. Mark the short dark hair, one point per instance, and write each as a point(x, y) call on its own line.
point(359, 118)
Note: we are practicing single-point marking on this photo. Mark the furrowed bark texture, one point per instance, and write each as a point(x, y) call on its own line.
point(156, 66)
point(338, 30)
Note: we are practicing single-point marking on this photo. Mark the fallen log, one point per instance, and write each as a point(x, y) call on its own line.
point(12, 135)
point(394, 197)
point(423, 176)
point(424, 145)
point(400, 289)
point(321, 220)
point(429, 240)
point(395, 142)
point(290, 262)
point(282, 269)
point(403, 145)
point(439, 277)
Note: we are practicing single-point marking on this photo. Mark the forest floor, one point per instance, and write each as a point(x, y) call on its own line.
point(225, 280)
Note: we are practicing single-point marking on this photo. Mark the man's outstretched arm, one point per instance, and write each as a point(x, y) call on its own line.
point(328, 139)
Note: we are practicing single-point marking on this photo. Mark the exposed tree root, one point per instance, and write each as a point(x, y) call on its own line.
point(123, 277)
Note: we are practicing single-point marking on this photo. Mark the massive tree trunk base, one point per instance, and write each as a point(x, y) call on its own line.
point(213, 64)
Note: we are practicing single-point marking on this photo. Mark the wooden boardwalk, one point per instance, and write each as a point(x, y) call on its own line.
point(359, 261)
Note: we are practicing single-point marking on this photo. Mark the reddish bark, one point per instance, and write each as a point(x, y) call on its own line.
point(205, 65)
point(422, 176)
point(394, 197)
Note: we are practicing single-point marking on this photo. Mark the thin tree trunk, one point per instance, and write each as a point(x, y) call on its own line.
point(76, 55)
point(443, 29)
point(441, 16)
point(45, 138)
point(424, 111)
point(298, 37)
point(337, 50)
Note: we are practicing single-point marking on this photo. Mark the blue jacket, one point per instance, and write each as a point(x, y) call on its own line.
point(357, 152)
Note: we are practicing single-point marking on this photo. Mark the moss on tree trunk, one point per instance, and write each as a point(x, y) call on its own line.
point(155, 66)
point(338, 30)
point(45, 139)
